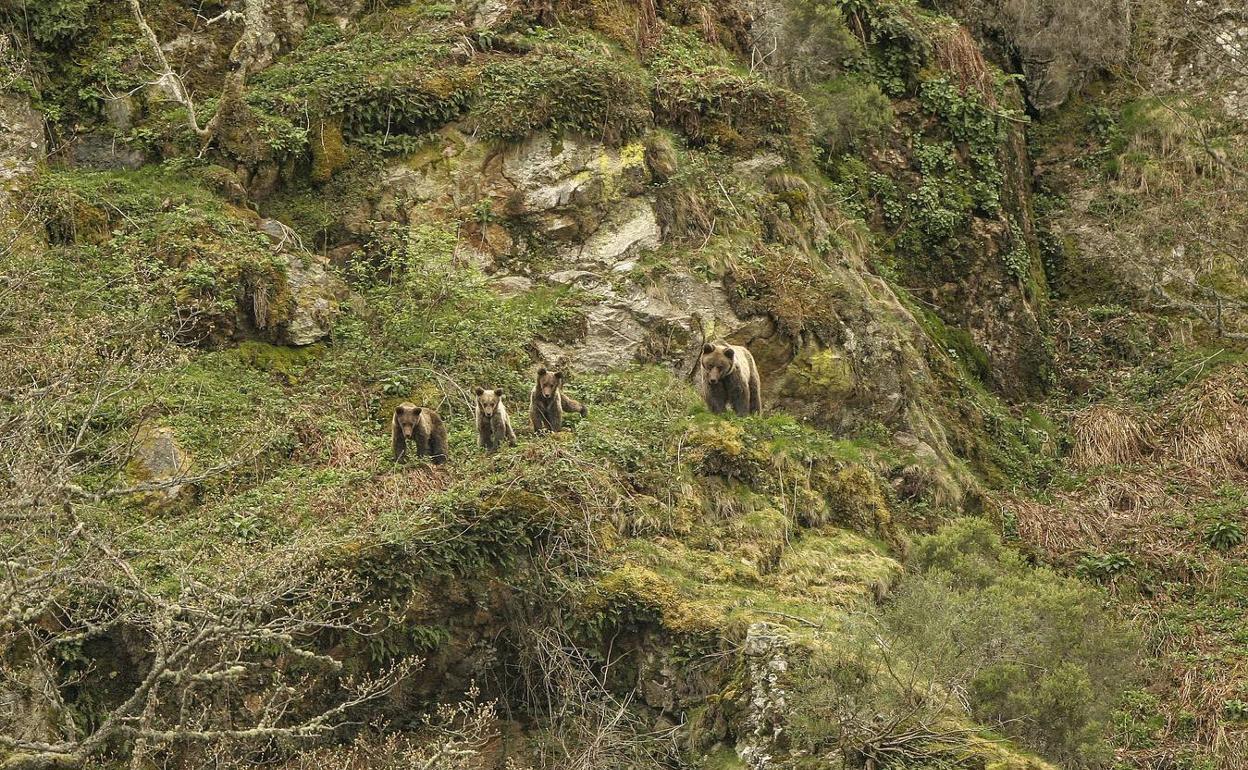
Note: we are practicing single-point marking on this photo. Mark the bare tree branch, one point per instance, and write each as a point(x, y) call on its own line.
point(242, 57)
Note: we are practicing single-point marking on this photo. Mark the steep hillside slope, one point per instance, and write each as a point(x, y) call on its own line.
point(1149, 210)
point(243, 232)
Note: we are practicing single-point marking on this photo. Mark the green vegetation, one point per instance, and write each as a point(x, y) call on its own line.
point(699, 91)
point(848, 112)
point(643, 588)
point(566, 82)
point(159, 240)
point(395, 75)
point(1004, 631)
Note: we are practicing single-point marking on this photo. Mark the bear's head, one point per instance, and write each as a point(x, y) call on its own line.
point(406, 416)
point(717, 362)
point(488, 401)
point(548, 383)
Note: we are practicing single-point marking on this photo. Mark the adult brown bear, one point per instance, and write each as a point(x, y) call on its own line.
point(730, 378)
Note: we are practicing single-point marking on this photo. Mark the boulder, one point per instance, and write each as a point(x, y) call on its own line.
point(316, 291)
point(105, 152)
point(628, 322)
point(21, 129)
point(630, 227)
point(159, 458)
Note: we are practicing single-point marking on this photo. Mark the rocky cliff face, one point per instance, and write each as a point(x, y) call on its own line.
point(22, 144)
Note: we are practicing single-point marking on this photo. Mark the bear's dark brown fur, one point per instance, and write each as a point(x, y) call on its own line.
point(547, 402)
point(493, 425)
point(730, 378)
point(422, 424)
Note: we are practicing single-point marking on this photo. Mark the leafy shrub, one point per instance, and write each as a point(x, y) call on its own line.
point(571, 82)
point(699, 92)
point(399, 78)
point(975, 125)
point(1038, 653)
point(1224, 535)
point(848, 111)
point(1235, 710)
point(52, 23)
point(1018, 257)
point(941, 206)
point(897, 45)
point(1105, 566)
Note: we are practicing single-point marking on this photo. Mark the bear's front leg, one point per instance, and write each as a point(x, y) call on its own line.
point(741, 400)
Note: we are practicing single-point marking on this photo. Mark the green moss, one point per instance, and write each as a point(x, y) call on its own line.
point(286, 363)
point(856, 496)
point(956, 343)
point(720, 447)
point(636, 589)
point(723, 758)
point(328, 152)
point(820, 376)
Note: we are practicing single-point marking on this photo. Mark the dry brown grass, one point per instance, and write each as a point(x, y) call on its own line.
point(957, 54)
point(1110, 512)
point(1167, 155)
point(1070, 527)
point(1153, 477)
point(1104, 435)
point(1209, 424)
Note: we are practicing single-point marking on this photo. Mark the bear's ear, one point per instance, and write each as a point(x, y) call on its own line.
point(541, 372)
point(708, 348)
point(416, 412)
point(559, 376)
point(498, 392)
point(480, 391)
point(729, 352)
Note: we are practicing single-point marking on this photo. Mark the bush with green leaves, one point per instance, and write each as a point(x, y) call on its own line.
point(848, 111)
point(1037, 653)
point(1224, 534)
point(978, 128)
point(568, 81)
point(700, 91)
point(51, 23)
point(396, 75)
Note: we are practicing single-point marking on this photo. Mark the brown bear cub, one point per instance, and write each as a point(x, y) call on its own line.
point(547, 403)
point(425, 426)
point(493, 425)
point(730, 378)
